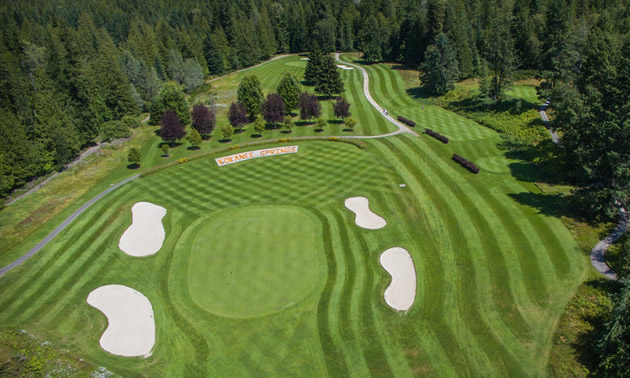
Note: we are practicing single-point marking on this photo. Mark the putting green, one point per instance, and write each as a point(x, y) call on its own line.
point(255, 260)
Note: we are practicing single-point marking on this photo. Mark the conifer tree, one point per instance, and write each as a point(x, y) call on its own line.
point(313, 66)
point(440, 69)
point(329, 81)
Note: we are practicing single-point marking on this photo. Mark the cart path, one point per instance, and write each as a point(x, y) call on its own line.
point(543, 114)
point(366, 91)
point(63, 225)
point(598, 257)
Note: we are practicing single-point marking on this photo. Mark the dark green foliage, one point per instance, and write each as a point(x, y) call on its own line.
point(329, 80)
point(440, 69)
point(313, 66)
point(289, 89)
point(500, 54)
point(111, 130)
point(171, 98)
point(374, 38)
point(250, 95)
point(134, 156)
point(615, 343)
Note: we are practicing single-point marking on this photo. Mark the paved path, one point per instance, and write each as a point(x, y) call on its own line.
point(543, 114)
point(598, 258)
point(366, 90)
point(62, 226)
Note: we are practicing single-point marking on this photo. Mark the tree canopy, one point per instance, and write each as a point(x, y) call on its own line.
point(440, 69)
point(289, 89)
point(171, 97)
point(250, 95)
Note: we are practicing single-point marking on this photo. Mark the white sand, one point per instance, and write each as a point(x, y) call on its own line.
point(344, 67)
point(364, 218)
point(402, 290)
point(304, 59)
point(131, 329)
point(146, 234)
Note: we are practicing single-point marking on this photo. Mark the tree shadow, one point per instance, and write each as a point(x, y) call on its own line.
point(348, 130)
point(193, 148)
point(418, 93)
point(256, 135)
point(286, 131)
point(555, 205)
point(225, 140)
point(303, 123)
point(335, 121)
point(133, 166)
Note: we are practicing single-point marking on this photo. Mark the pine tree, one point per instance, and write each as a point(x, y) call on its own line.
point(440, 70)
point(329, 81)
point(313, 66)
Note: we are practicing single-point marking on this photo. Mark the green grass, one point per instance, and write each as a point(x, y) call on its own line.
point(494, 271)
point(253, 261)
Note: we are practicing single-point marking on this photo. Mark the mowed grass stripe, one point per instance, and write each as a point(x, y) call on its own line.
point(469, 302)
point(451, 233)
point(333, 354)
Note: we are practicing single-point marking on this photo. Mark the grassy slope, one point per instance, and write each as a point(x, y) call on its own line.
point(493, 274)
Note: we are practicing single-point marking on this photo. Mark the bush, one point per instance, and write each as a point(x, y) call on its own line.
point(113, 130)
point(436, 135)
point(182, 160)
point(234, 147)
point(466, 164)
point(406, 121)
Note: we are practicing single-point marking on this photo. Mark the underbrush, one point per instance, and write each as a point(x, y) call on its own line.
point(517, 120)
point(23, 355)
point(574, 351)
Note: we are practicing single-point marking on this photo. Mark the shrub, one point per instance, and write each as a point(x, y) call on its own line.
point(466, 164)
point(406, 121)
point(282, 140)
point(234, 147)
point(436, 135)
point(182, 160)
point(333, 139)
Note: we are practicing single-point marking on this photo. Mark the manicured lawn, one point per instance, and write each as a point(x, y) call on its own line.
point(494, 271)
point(253, 261)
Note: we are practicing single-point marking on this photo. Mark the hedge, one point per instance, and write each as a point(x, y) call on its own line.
point(406, 121)
point(436, 135)
point(466, 164)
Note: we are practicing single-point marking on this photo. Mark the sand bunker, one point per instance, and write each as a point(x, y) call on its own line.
point(304, 59)
point(402, 290)
point(344, 67)
point(131, 329)
point(146, 234)
point(365, 218)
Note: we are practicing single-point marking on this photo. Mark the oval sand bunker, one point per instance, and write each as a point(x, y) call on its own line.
point(131, 329)
point(146, 234)
point(364, 218)
point(402, 290)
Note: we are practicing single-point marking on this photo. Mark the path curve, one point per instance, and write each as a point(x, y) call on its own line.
point(543, 114)
point(366, 91)
point(63, 225)
point(598, 258)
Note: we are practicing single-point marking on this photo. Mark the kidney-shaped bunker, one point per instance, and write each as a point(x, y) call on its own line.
point(146, 234)
point(364, 217)
point(131, 329)
point(402, 290)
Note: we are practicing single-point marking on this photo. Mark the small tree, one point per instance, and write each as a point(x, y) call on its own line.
point(171, 98)
point(273, 109)
point(194, 139)
point(342, 108)
point(172, 129)
point(237, 115)
point(288, 123)
point(259, 125)
point(164, 149)
point(227, 131)
point(320, 124)
point(203, 120)
point(250, 95)
point(134, 157)
point(350, 123)
point(313, 66)
point(289, 89)
point(309, 106)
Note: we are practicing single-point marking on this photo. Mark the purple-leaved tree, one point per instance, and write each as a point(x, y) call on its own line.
point(273, 109)
point(237, 115)
point(309, 106)
point(203, 120)
point(171, 128)
point(342, 108)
